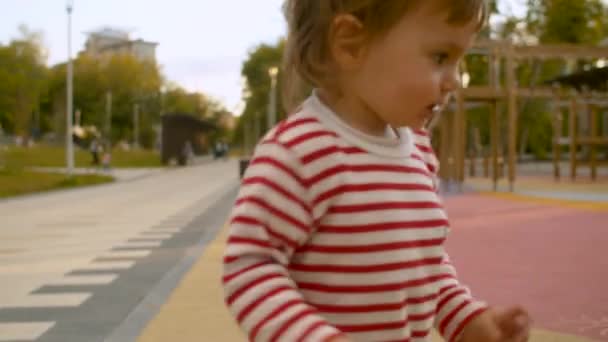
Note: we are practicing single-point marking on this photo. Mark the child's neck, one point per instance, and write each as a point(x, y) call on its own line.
point(355, 113)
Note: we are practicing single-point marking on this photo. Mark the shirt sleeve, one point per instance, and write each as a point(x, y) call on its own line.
point(270, 220)
point(455, 306)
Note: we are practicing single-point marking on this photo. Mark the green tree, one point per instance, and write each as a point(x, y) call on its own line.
point(257, 88)
point(22, 81)
point(556, 21)
point(33, 96)
point(130, 82)
point(179, 100)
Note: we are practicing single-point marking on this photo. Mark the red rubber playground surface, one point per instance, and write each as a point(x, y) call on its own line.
point(547, 255)
point(550, 258)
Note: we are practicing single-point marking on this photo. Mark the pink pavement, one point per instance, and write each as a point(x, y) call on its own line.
point(549, 258)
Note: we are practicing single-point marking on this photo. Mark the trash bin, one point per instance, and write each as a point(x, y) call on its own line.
point(243, 163)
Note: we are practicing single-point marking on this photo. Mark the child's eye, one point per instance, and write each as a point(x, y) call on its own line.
point(440, 58)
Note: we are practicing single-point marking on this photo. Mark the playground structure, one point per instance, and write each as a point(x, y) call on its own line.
point(584, 96)
point(590, 102)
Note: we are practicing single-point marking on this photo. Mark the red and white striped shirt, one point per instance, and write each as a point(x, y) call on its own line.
point(338, 232)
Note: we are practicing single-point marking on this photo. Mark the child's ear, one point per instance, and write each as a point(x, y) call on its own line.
point(347, 41)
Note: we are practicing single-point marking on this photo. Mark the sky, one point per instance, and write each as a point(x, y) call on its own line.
point(202, 43)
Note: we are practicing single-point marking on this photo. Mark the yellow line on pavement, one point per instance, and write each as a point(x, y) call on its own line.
point(195, 311)
point(584, 205)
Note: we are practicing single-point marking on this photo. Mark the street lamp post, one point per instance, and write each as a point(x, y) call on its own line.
point(108, 123)
point(270, 120)
point(272, 97)
point(159, 132)
point(70, 100)
point(163, 90)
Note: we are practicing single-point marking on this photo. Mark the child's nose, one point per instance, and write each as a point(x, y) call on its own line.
point(450, 81)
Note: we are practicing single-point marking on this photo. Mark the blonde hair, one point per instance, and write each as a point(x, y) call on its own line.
point(309, 21)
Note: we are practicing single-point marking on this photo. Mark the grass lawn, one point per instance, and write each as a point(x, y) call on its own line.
point(54, 156)
point(16, 179)
point(15, 182)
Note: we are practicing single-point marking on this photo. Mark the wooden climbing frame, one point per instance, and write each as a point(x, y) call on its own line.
point(506, 91)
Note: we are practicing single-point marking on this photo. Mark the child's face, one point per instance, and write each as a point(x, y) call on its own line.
point(414, 67)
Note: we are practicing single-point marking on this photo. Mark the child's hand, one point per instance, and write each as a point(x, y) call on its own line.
point(510, 325)
point(515, 324)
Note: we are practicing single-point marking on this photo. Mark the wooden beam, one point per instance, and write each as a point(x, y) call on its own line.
point(537, 92)
point(557, 134)
point(592, 102)
point(592, 152)
point(495, 87)
point(476, 151)
point(540, 51)
point(593, 140)
point(600, 99)
point(486, 165)
point(464, 141)
point(444, 151)
point(573, 137)
point(490, 93)
point(483, 93)
point(564, 51)
point(459, 140)
point(512, 117)
point(494, 119)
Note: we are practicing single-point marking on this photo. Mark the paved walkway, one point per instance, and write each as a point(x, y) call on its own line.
point(547, 256)
point(74, 264)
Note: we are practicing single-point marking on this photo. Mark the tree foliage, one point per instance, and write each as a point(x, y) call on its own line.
point(33, 96)
point(257, 88)
point(22, 81)
point(550, 22)
point(557, 21)
point(130, 82)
